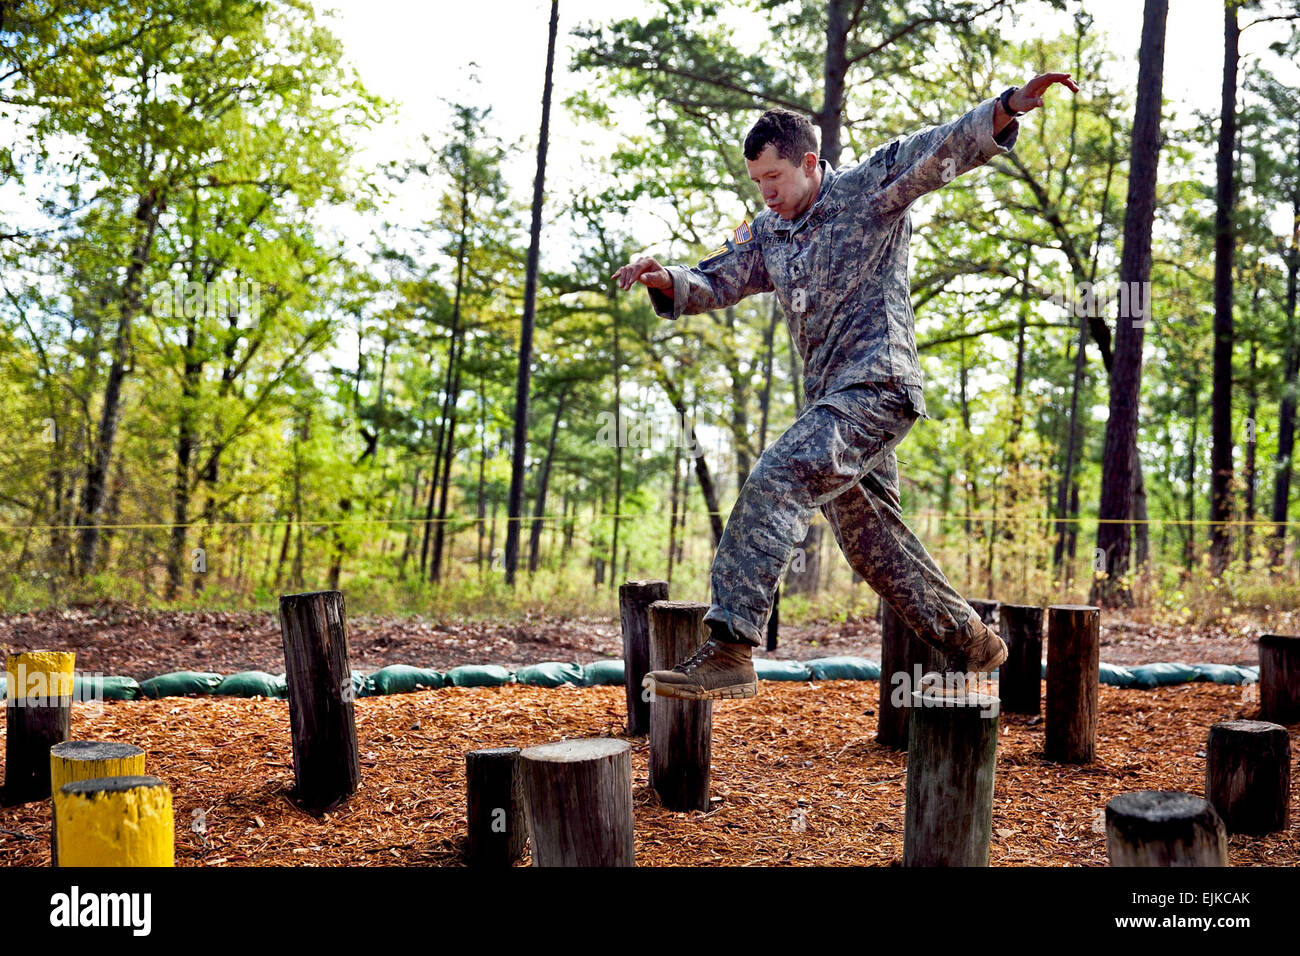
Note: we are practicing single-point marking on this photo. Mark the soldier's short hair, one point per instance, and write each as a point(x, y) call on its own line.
point(790, 132)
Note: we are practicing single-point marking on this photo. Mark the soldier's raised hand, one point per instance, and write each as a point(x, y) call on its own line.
point(647, 271)
point(1030, 96)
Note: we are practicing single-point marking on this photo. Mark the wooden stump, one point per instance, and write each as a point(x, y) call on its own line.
point(326, 765)
point(86, 760)
point(38, 715)
point(904, 658)
point(115, 821)
point(578, 795)
point(987, 609)
point(681, 731)
point(1248, 775)
point(634, 600)
point(1073, 672)
point(1164, 828)
point(494, 807)
point(951, 754)
point(1279, 678)
point(1020, 679)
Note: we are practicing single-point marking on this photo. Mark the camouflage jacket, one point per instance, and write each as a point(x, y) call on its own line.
point(840, 270)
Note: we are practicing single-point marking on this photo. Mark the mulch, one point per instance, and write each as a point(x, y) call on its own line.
point(798, 778)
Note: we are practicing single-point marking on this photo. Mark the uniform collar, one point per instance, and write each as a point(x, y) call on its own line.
point(826, 204)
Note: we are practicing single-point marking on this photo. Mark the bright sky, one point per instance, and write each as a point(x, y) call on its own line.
point(418, 52)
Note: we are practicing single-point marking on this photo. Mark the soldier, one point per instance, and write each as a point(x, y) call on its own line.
point(833, 245)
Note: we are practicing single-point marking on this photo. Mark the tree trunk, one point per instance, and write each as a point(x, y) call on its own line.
point(1224, 235)
point(539, 511)
point(1120, 456)
point(519, 451)
point(147, 212)
point(1291, 383)
point(836, 67)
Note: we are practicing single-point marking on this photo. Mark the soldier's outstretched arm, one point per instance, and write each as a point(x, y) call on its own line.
point(723, 277)
point(935, 156)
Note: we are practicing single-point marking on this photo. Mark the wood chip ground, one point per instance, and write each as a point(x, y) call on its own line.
point(798, 778)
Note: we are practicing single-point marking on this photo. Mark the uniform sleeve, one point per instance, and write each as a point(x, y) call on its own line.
point(722, 278)
point(935, 156)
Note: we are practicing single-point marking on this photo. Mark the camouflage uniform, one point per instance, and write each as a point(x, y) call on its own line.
point(840, 274)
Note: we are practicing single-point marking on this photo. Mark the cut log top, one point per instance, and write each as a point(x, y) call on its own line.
point(576, 751)
point(94, 750)
point(677, 606)
point(641, 584)
point(1074, 607)
point(953, 697)
point(1280, 641)
point(46, 662)
point(110, 785)
point(1158, 806)
point(306, 596)
point(1248, 727)
point(493, 752)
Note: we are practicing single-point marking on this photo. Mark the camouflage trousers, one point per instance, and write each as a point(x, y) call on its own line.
point(837, 456)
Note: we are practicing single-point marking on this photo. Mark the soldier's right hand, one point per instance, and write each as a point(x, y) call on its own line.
point(645, 270)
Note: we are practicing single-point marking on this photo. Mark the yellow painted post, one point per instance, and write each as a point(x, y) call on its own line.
point(38, 712)
point(85, 760)
point(115, 821)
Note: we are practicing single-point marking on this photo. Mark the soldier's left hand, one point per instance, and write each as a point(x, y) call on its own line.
point(1030, 96)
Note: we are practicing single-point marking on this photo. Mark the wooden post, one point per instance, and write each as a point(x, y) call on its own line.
point(86, 760)
point(1163, 828)
point(904, 658)
point(1248, 775)
point(494, 807)
point(326, 765)
point(1279, 678)
point(115, 821)
point(38, 715)
point(987, 609)
point(578, 795)
point(681, 731)
point(634, 600)
point(951, 753)
point(1073, 672)
point(1020, 679)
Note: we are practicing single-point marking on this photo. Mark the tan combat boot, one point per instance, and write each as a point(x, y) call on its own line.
point(719, 670)
point(977, 648)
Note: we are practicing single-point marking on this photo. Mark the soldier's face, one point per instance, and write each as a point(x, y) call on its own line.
point(787, 189)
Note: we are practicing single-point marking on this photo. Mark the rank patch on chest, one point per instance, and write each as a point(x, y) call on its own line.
point(743, 233)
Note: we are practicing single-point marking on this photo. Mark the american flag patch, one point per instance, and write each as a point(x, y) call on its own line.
point(743, 234)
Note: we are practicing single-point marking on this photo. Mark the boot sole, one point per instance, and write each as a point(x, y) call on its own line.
point(680, 692)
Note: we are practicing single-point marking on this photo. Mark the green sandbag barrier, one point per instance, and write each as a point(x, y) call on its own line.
point(1114, 674)
point(1227, 673)
point(97, 687)
point(768, 669)
point(478, 675)
point(1162, 675)
point(180, 684)
point(403, 679)
point(550, 674)
point(601, 673)
point(843, 668)
point(361, 685)
point(253, 684)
